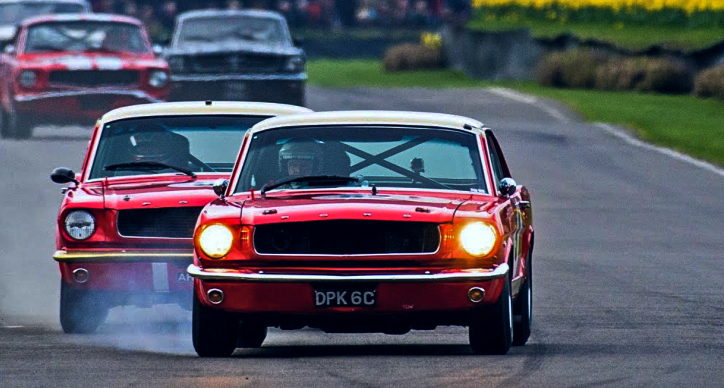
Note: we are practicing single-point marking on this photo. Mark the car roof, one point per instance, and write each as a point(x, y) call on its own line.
point(372, 117)
point(203, 107)
point(228, 12)
point(72, 17)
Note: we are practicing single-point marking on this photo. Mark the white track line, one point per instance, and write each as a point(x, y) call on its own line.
point(668, 152)
point(12, 327)
point(530, 100)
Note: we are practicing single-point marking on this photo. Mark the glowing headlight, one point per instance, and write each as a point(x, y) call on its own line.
point(216, 240)
point(27, 78)
point(80, 224)
point(158, 79)
point(478, 238)
point(294, 65)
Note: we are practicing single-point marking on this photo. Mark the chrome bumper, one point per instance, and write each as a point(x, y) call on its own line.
point(223, 275)
point(122, 256)
point(238, 77)
point(77, 93)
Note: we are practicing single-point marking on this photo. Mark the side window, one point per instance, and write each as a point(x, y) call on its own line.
point(497, 161)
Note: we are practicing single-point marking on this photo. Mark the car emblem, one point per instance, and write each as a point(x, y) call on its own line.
point(127, 198)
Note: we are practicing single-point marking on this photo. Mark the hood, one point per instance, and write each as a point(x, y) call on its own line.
point(155, 194)
point(91, 61)
point(234, 47)
point(7, 32)
point(380, 207)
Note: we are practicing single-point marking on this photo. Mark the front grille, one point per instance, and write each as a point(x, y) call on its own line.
point(235, 63)
point(94, 78)
point(169, 222)
point(347, 237)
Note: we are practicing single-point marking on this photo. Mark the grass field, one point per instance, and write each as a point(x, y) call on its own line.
point(685, 123)
point(631, 37)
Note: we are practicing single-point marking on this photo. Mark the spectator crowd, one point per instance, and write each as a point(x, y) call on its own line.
point(159, 16)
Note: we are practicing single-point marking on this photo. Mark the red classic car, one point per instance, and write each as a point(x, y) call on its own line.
point(72, 68)
point(125, 226)
point(365, 222)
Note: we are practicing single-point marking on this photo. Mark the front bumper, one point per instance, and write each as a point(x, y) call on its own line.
point(82, 105)
point(279, 88)
point(262, 293)
point(128, 271)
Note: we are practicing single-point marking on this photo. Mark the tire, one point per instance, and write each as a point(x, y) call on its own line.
point(81, 311)
point(4, 129)
point(19, 126)
point(251, 336)
point(213, 332)
point(491, 330)
point(523, 308)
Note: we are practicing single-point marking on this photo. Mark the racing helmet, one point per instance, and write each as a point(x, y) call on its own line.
point(153, 143)
point(302, 149)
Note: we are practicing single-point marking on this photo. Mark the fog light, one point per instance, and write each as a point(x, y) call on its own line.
point(476, 294)
point(215, 295)
point(80, 275)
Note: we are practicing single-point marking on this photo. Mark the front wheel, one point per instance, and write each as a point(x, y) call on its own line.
point(19, 126)
point(524, 308)
point(251, 335)
point(81, 311)
point(491, 329)
point(213, 332)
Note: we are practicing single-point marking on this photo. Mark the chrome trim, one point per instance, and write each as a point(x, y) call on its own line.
point(439, 246)
point(87, 275)
point(239, 77)
point(76, 93)
point(121, 256)
point(220, 275)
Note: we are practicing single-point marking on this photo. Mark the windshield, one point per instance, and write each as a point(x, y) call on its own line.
point(232, 29)
point(86, 36)
point(409, 157)
point(142, 146)
point(15, 13)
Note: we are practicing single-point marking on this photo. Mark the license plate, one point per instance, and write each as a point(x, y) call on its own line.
point(341, 298)
point(235, 90)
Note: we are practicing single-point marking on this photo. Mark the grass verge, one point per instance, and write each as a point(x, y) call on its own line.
point(684, 123)
point(632, 37)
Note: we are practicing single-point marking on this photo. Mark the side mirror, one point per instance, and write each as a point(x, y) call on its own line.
point(9, 49)
point(157, 50)
point(220, 187)
point(62, 175)
point(507, 187)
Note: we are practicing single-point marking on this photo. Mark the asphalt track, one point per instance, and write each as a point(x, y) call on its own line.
point(628, 265)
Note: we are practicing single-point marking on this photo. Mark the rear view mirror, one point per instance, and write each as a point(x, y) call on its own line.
point(220, 187)
point(62, 175)
point(507, 187)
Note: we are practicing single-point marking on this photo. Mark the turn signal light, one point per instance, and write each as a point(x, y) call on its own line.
point(476, 294)
point(80, 275)
point(215, 295)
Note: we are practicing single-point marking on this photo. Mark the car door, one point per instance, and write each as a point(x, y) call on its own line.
point(511, 211)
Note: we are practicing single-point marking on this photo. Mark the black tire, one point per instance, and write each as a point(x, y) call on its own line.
point(19, 126)
point(491, 329)
point(4, 129)
point(523, 308)
point(251, 335)
point(213, 332)
point(81, 311)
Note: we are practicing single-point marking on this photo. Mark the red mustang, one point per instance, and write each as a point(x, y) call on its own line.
point(365, 222)
point(72, 68)
point(124, 229)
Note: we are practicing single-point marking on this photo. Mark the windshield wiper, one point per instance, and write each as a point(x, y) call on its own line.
point(142, 166)
point(319, 179)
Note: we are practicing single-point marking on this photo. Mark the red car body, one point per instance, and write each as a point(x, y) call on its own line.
point(76, 85)
point(285, 268)
point(142, 239)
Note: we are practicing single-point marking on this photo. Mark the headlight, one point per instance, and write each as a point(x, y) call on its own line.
point(294, 65)
point(27, 78)
point(80, 224)
point(216, 240)
point(158, 79)
point(176, 64)
point(478, 238)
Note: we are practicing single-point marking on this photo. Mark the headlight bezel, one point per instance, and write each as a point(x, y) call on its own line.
point(28, 82)
point(226, 239)
point(76, 236)
point(158, 79)
point(478, 238)
point(294, 64)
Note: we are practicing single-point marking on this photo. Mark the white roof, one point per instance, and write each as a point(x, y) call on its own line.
point(204, 107)
point(381, 117)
